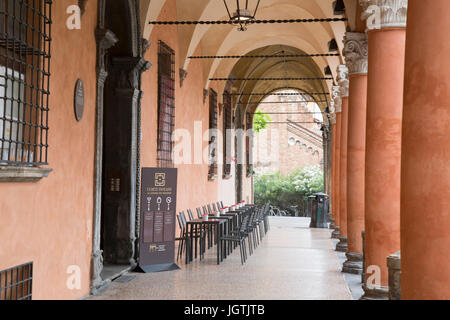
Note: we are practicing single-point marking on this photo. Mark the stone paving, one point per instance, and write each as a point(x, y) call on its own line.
point(292, 263)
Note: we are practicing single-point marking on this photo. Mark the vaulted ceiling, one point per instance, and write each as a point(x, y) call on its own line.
point(297, 38)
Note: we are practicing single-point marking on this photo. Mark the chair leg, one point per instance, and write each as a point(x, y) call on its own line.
point(245, 249)
point(250, 244)
point(242, 252)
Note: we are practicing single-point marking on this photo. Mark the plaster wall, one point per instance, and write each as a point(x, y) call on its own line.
point(194, 189)
point(50, 222)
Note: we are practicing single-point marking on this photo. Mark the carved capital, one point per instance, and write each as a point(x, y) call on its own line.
point(333, 118)
point(126, 71)
point(105, 38)
point(332, 107)
point(342, 80)
point(384, 13)
point(356, 52)
point(336, 97)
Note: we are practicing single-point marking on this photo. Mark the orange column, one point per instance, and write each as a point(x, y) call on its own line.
point(425, 198)
point(356, 60)
point(343, 84)
point(383, 144)
point(333, 169)
point(337, 159)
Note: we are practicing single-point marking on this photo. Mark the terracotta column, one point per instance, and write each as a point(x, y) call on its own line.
point(355, 53)
point(386, 33)
point(343, 82)
point(333, 167)
point(425, 198)
point(337, 159)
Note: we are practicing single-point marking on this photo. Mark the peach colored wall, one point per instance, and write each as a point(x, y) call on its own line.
point(50, 222)
point(194, 189)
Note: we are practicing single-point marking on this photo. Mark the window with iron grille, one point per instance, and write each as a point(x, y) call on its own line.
point(227, 121)
point(212, 174)
point(166, 104)
point(248, 142)
point(25, 37)
point(17, 283)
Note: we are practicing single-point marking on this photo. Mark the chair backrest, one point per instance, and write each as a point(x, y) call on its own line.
point(190, 215)
point(199, 213)
point(221, 204)
point(214, 207)
point(205, 210)
point(180, 221)
point(183, 217)
point(243, 225)
point(209, 209)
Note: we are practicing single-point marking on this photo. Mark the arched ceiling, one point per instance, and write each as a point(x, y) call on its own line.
point(276, 68)
point(217, 40)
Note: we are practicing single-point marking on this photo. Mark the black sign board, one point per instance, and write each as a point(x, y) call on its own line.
point(158, 218)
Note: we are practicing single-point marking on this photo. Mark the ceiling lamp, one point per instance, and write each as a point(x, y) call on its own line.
point(239, 12)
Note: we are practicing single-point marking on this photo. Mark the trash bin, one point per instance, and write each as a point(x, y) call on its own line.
point(320, 208)
point(309, 205)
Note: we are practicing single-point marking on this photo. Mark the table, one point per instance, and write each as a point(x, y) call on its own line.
point(227, 250)
point(218, 223)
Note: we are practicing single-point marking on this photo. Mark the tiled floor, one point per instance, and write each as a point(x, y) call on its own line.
point(293, 263)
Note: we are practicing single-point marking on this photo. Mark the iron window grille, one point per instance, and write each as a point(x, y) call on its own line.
point(25, 42)
point(213, 169)
point(227, 122)
point(17, 283)
point(248, 144)
point(166, 105)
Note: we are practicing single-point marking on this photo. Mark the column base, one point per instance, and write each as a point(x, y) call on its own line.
point(395, 271)
point(342, 246)
point(336, 233)
point(378, 293)
point(354, 263)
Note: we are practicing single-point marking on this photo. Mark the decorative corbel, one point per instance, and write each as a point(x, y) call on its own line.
point(183, 75)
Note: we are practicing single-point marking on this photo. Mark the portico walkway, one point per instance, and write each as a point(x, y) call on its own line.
point(293, 262)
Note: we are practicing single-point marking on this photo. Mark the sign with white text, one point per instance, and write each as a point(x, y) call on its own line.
point(158, 218)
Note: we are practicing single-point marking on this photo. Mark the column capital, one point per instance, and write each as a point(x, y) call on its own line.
point(332, 112)
point(336, 98)
point(342, 80)
point(356, 52)
point(384, 13)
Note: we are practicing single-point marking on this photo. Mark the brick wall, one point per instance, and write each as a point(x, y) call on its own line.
point(286, 147)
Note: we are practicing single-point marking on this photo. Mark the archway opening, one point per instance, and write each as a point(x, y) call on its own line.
point(288, 152)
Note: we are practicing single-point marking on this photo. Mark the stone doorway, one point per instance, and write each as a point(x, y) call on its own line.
point(117, 176)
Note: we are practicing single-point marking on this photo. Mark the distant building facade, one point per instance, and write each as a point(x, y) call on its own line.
point(292, 140)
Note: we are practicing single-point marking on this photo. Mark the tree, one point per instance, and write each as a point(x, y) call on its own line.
point(261, 121)
point(291, 190)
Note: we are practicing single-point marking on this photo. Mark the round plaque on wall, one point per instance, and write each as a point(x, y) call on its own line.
point(79, 100)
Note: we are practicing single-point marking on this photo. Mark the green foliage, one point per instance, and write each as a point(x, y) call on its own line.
point(292, 190)
point(261, 121)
